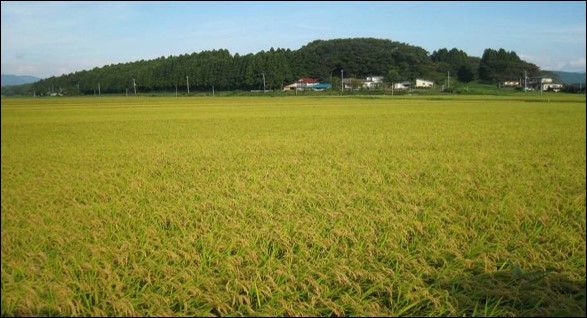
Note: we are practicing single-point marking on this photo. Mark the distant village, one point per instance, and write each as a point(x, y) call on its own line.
point(376, 82)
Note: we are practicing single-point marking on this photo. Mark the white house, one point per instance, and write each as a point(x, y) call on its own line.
point(373, 82)
point(420, 83)
point(402, 85)
point(375, 79)
point(542, 83)
point(553, 87)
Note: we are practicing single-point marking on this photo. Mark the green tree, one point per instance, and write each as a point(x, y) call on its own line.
point(392, 77)
point(466, 73)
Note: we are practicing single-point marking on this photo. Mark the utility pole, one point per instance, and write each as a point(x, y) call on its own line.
point(341, 80)
point(263, 82)
point(127, 92)
point(212, 90)
point(134, 84)
point(525, 82)
point(175, 90)
point(187, 80)
point(448, 80)
point(99, 91)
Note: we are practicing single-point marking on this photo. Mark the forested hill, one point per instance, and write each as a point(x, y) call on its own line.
point(324, 60)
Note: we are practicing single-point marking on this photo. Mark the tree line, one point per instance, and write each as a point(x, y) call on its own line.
point(321, 59)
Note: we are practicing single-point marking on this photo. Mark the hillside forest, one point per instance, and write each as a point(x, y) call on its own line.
point(324, 60)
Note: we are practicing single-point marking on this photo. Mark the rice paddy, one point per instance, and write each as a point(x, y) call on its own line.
point(308, 206)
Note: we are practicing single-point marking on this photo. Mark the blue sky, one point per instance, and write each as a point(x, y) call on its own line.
point(53, 38)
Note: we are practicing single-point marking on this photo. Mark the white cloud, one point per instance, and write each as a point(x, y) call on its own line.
point(81, 35)
point(556, 63)
point(580, 63)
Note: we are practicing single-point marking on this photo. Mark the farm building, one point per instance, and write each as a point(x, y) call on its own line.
point(420, 83)
point(320, 86)
point(307, 83)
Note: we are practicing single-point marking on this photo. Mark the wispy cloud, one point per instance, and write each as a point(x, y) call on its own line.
point(550, 63)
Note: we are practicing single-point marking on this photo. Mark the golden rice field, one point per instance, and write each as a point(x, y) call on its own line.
point(286, 206)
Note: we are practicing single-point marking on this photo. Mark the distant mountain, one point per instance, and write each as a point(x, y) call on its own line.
point(17, 79)
point(570, 77)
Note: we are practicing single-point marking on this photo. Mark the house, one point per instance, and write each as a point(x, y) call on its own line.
point(347, 83)
point(537, 83)
point(420, 83)
point(553, 87)
point(542, 84)
point(307, 83)
point(402, 85)
point(301, 84)
point(290, 87)
point(372, 82)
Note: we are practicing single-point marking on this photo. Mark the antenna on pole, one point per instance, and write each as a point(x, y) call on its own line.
point(187, 79)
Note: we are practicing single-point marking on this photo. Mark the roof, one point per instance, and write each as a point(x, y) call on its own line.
point(322, 86)
point(307, 80)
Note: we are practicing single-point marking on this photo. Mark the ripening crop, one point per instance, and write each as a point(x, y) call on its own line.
point(294, 206)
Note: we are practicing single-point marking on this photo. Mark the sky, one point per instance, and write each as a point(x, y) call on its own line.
point(46, 39)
